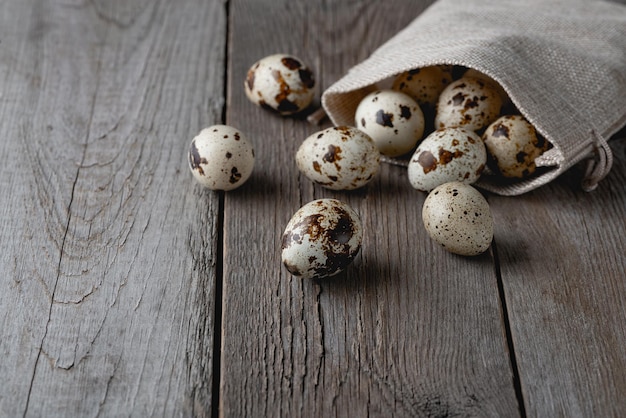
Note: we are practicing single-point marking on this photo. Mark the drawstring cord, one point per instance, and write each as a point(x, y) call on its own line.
point(599, 165)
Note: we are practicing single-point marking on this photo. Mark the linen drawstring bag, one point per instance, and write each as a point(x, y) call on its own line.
point(562, 63)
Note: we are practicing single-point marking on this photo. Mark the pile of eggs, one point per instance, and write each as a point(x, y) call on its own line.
point(452, 127)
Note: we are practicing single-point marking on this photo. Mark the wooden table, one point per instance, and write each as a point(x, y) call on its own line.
point(127, 289)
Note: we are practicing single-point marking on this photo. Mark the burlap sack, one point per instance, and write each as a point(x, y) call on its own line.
point(562, 62)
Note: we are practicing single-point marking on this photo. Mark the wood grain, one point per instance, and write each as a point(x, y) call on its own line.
point(409, 329)
point(561, 254)
point(108, 266)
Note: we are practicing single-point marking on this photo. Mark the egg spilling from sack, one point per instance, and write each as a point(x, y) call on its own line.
point(450, 154)
point(339, 158)
point(458, 217)
point(220, 158)
point(392, 119)
point(512, 146)
point(321, 239)
point(281, 83)
point(469, 103)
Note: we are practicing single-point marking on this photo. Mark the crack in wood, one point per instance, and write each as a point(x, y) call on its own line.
point(63, 241)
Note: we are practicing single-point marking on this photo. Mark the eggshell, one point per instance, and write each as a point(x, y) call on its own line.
point(512, 146)
point(339, 158)
point(458, 217)
point(482, 76)
point(220, 158)
point(322, 238)
point(392, 119)
point(281, 83)
point(424, 85)
point(468, 102)
point(450, 154)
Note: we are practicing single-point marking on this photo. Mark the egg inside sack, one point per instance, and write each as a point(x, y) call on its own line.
point(424, 84)
point(321, 239)
point(220, 158)
point(482, 76)
point(458, 217)
point(281, 83)
point(468, 102)
point(512, 146)
point(339, 158)
point(392, 119)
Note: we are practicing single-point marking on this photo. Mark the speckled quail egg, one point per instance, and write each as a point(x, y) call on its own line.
point(392, 119)
point(281, 83)
point(512, 146)
point(468, 102)
point(482, 76)
point(424, 84)
point(220, 158)
point(449, 154)
point(339, 158)
point(322, 238)
point(458, 217)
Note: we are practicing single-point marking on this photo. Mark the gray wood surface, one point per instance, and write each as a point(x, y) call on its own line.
point(562, 255)
point(108, 249)
point(127, 289)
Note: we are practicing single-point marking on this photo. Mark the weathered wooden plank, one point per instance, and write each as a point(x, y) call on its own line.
point(410, 329)
point(108, 261)
point(563, 267)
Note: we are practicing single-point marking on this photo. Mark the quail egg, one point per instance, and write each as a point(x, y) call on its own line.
point(482, 76)
point(392, 119)
point(220, 158)
point(322, 238)
point(449, 154)
point(458, 217)
point(339, 158)
point(512, 146)
point(424, 84)
point(468, 102)
point(281, 83)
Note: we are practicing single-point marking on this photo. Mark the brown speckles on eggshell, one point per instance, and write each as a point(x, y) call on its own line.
point(457, 99)
point(500, 130)
point(291, 63)
point(446, 156)
point(287, 106)
point(195, 160)
point(428, 161)
point(332, 155)
point(384, 119)
point(330, 235)
point(306, 76)
point(250, 80)
point(235, 175)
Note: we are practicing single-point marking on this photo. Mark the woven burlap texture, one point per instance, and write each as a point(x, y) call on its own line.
point(562, 63)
